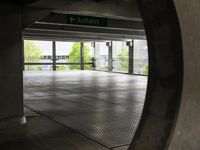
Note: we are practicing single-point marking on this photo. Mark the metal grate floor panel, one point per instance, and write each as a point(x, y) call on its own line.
point(104, 107)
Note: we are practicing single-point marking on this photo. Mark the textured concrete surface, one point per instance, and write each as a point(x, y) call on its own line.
point(165, 75)
point(187, 131)
point(41, 133)
point(10, 63)
point(102, 107)
point(121, 148)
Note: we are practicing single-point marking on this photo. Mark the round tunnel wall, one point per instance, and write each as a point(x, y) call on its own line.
point(165, 75)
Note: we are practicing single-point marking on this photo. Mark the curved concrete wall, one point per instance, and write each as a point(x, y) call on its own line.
point(186, 135)
point(165, 75)
point(187, 131)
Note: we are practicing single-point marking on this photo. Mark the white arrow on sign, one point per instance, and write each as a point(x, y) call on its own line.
point(72, 19)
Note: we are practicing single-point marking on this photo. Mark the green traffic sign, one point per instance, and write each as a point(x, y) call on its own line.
point(87, 20)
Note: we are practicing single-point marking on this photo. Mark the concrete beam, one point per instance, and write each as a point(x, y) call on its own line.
point(60, 27)
point(32, 14)
point(60, 31)
point(56, 18)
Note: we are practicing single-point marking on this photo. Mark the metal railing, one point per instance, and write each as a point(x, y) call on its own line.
point(49, 66)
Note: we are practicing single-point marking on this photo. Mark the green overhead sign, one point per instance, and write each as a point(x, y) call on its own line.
point(87, 20)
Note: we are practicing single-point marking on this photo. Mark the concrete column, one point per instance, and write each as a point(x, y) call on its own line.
point(23, 66)
point(11, 77)
point(97, 55)
point(110, 57)
point(82, 55)
point(94, 58)
point(131, 54)
point(54, 55)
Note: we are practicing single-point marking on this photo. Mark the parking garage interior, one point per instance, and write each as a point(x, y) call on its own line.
point(99, 74)
point(84, 76)
point(95, 88)
point(92, 96)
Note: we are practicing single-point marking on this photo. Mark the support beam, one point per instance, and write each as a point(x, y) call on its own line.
point(54, 55)
point(74, 30)
point(130, 45)
point(110, 57)
point(95, 56)
point(30, 15)
point(11, 77)
point(82, 55)
point(23, 59)
point(61, 35)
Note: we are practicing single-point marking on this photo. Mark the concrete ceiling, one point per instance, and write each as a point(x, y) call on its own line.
point(116, 8)
point(124, 18)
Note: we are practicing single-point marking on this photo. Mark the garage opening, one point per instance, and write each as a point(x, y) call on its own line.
point(128, 56)
point(96, 89)
point(59, 95)
point(110, 21)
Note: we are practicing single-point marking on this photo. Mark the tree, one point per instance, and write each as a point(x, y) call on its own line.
point(146, 70)
point(123, 59)
point(75, 56)
point(32, 54)
point(62, 67)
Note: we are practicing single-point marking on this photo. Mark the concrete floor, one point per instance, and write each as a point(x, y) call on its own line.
point(78, 110)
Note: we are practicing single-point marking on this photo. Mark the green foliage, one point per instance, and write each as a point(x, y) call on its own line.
point(146, 70)
point(75, 56)
point(62, 67)
point(124, 62)
point(123, 59)
point(143, 69)
point(139, 66)
point(32, 54)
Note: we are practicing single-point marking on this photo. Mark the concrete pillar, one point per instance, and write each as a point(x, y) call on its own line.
point(54, 55)
point(94, 58)
point(82, 55)
point(11, 77)
point(97, 55)
point(96, 50)
point(110, 56)
point(23, 66)
point(131, 54)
